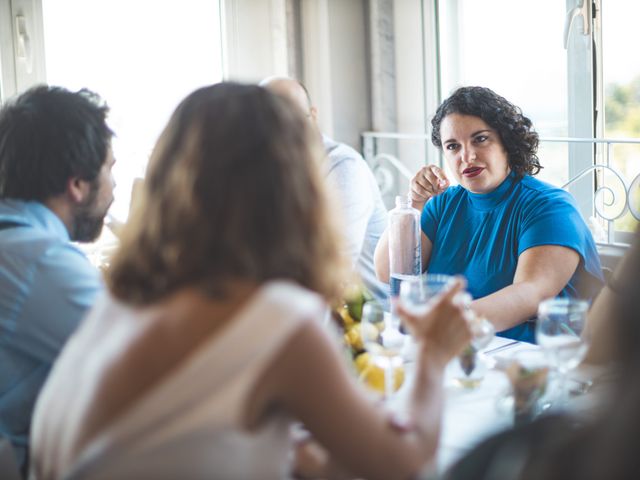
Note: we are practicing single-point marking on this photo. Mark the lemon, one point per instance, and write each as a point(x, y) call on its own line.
point(356, 332)
point(373, 376)
point(362, 361)
point(347, 319)
point(352, 337)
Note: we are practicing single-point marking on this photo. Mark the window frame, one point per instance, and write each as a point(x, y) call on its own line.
point(16, 74)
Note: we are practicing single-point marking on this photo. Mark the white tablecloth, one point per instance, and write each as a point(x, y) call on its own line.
point(472, 415)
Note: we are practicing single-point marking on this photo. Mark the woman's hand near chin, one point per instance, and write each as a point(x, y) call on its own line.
point(428, 182)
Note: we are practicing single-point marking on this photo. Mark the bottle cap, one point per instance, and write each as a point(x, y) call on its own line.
point(403, 200)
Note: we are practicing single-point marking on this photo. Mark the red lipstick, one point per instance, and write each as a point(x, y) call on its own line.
point(472, 171)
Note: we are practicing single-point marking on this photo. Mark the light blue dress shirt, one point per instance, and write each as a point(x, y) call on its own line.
point(46, 286)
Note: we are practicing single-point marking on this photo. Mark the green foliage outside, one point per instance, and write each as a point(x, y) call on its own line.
point(622, 118)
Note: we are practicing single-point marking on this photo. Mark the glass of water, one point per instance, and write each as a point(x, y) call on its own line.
point(560, 333)
point(416, 293)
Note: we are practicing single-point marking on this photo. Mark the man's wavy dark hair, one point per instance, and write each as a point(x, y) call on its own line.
point(516, 131)
point(49, 135)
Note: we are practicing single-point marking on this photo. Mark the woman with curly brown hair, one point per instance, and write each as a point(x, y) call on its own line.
point(516, 239)
point(210, 341)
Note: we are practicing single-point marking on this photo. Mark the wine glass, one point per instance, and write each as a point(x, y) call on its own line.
point(472, 363)
point(383, 341)
point(560, 333)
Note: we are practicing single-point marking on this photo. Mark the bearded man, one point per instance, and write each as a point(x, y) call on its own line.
point(55, 188)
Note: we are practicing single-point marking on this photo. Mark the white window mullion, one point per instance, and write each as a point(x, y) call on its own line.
point(581, 107)
point(7, 69)
point(21, 46)
point(255, 39)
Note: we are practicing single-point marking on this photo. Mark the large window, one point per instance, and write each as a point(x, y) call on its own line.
point(574, 79)
point(502, 45)
point(567, 65)
point(621, 78)
point(142, 57)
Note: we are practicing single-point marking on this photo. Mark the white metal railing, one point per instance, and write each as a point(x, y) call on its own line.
point(390, 170)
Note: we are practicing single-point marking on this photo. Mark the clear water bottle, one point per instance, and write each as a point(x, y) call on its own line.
point(405, 253)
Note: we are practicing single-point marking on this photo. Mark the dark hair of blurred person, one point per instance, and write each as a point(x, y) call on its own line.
point(49, 135)
point(229, 199)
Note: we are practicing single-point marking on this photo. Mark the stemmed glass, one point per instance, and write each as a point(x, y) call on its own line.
point(560, 333)
point(472, 362)
point(383, 341)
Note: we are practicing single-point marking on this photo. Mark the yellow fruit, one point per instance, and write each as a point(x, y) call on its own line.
point(355, 296)
point(373, 376)
point(362, 361)
point(354, 335)
point(346, 318)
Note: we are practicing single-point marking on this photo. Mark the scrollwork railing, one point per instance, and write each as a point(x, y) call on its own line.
point(599, 199)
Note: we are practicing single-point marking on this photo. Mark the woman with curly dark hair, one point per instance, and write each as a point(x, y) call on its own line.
point(517, 240)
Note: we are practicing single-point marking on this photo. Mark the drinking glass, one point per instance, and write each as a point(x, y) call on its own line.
point(470, 368)
point(482, 332)
point(560, 333)
point(383, 341)
point(416, 293)
point(528, 375)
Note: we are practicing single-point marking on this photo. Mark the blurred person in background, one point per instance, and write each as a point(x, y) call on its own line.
point(55, 188)
point(516, 239)
point(210, 341)
point(363, 213)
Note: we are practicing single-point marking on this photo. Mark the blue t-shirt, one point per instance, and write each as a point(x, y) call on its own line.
point(481, 237)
